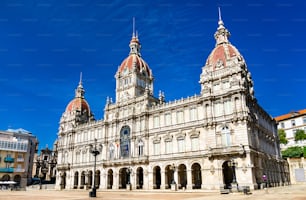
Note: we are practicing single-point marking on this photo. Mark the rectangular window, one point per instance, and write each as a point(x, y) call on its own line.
point(218, 108)
point(293, 122)
point(168, 147)
point(167, 119)
point(193, 114)
point(156, 149)
point(228, 107)
point(179, 117)
point(304, 120)
point(216, 87)
point(181, 145)
point(156, 122)
point(282, 125)
point(225, 85)
point(195, 144)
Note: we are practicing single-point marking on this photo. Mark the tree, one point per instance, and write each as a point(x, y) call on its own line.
point(293, 152)
point(282, 136)
point(299, 135)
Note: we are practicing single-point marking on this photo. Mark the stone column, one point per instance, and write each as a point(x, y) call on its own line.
point(163, 179)
point(115, 180)
point(189, 179)
point(147, 180)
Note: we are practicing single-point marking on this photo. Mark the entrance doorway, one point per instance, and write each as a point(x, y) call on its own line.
point(196, 176)
point(139, 178)
point(227, 172)
point(124, 178)
point(182, 176)
point(156, 177)
point(110, 179)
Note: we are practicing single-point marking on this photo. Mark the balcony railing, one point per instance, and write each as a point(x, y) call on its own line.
point(7, 170)
point(8, 159)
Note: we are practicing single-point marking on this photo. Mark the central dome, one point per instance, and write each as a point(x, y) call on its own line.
point(134, 61)
point(78, 104)
point(222, 55)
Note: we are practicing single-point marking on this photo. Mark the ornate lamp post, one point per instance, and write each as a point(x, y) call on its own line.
point(233, 164)
point(129, 171)
point(94, 152)
point(173, 184)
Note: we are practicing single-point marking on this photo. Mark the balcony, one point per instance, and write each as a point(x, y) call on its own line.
point(7, 170)
point(19, 170)
point(20, 159)
point(126, 161)
point(8, 160)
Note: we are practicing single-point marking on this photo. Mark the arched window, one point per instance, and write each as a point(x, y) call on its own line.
point(226, 136)
point(125, 141)
point(140, 148)
point(111, 151)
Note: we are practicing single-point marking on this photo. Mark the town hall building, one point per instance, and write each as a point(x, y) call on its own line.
point(219, 138)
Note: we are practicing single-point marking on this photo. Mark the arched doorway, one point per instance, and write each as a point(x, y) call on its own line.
point(109, 179)
point(6, 177)
point(63, 180)
point(17, 179)
point(227, 172)
point(196, 176)
point(182, 176)
point(124, 178)
point(156, 177)
point(139, 173)
point(169, 177)
point(97, 178)
point(82, 180)
point(76, 180)
point(89, 179)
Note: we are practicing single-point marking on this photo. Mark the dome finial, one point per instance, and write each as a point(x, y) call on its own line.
point(222, 34)
point(80, 83)
point(133, 35)
point(79, 92)
point(134, 44)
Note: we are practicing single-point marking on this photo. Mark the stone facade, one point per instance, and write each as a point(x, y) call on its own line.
point(218, 138)
point(297, 168)
point(44, 165)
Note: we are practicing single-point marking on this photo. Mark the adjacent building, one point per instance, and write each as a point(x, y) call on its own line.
point(17, 150)
point(44, 166)
point(219, 138)
point(290, 123)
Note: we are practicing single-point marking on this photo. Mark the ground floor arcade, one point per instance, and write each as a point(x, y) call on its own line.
point(187, 174)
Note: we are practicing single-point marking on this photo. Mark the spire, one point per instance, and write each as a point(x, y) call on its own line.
point(80, 83)
point(133, 35)
point(79, 92)
point(134, 43)
point(222, 34)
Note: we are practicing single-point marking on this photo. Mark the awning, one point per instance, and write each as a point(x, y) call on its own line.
point(7, 182)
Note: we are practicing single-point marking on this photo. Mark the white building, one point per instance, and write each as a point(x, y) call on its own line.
point(219, 137)
point(290, 123)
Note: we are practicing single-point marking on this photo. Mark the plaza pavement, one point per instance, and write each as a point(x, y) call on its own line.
point(292, 192)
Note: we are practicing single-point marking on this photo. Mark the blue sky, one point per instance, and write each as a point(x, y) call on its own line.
point(44, 45)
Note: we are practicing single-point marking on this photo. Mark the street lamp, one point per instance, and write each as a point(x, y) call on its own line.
point(94, 152)
point(172, 168)
point(233, 164)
